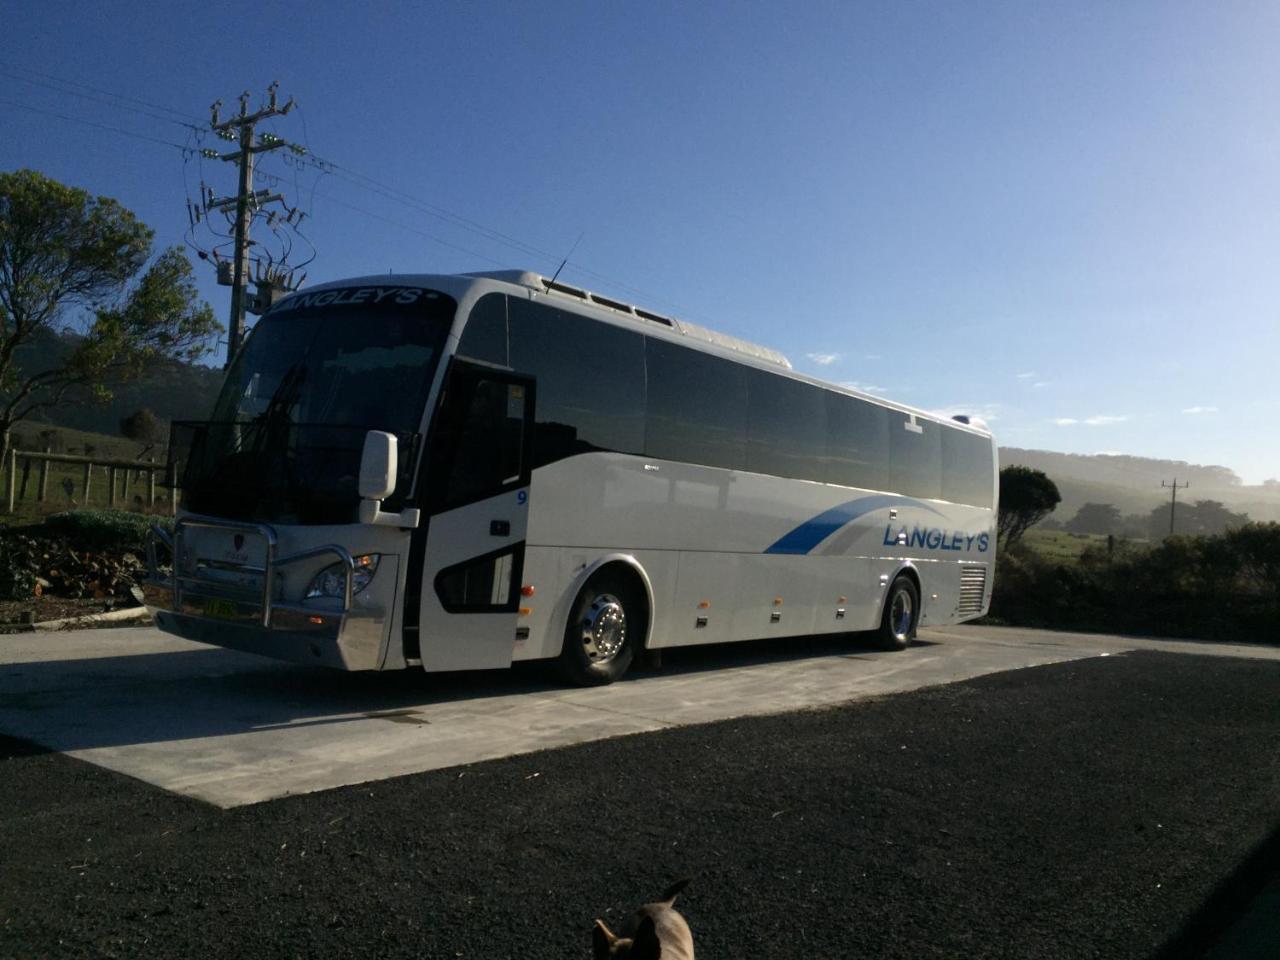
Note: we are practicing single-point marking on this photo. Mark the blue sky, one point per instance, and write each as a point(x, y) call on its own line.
point(1063, 217)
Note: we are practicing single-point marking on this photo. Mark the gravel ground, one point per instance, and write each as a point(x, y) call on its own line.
point(1101, 808)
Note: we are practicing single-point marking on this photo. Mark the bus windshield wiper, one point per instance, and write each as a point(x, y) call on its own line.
point(284, 397)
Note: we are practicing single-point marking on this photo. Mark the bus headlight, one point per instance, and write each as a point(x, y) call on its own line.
point(328, 582)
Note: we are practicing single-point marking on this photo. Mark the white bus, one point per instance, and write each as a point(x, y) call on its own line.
point(457, 472)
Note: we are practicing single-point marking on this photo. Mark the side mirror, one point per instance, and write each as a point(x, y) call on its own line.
point(378, 465)
point(378, 462)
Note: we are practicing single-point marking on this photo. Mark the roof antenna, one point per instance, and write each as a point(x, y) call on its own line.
point(566, 259)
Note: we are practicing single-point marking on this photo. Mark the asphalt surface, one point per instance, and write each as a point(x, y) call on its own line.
point(1123, 806)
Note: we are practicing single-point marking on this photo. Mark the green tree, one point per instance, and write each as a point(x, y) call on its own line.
point(1258, 547)
point(1201, 517)
point(72, 266)
point(1026, 497)
point(1095, 518)
point(145, 427)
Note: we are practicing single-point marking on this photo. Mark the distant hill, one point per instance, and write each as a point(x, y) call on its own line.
point(172, 391)
point(1132, 484)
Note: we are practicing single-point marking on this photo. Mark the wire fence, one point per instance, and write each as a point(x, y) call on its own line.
point(46, 482)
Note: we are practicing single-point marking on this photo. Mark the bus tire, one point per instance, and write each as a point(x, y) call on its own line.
point(605, 627)
point(901, 614)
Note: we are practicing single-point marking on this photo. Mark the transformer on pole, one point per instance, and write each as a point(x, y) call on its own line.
point(273, 280)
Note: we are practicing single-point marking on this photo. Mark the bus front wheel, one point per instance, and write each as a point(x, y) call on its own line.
point(901, 615)
point(605, 626)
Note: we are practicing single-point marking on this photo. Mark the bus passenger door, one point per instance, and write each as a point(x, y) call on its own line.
point(478, 493)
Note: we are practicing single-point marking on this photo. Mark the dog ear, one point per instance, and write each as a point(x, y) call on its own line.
point(645, 944)
point(669, 895)
point(602, 941)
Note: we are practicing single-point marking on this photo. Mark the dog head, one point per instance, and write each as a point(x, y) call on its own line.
point(656, 931)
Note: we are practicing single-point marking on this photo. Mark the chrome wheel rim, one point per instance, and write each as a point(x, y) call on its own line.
point(900, 614)
point(604, 628)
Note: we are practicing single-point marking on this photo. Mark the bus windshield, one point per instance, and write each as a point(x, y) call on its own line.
point(318, 372)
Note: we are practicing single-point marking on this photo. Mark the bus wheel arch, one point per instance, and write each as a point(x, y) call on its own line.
point(610, 596)
point(901, 608)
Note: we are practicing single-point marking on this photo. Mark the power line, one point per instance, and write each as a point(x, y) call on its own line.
point(350, 175)
point(405, 226)
point(399, 196)
point(325, 166)
point(94, 123)
point(97, 99)
point(188, 118)
point(407, 199)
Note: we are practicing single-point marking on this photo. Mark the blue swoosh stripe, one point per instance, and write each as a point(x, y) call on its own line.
point(812, 532)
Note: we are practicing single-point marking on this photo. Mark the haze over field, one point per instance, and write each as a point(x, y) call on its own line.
point(1132, 484)
point(1055, 217)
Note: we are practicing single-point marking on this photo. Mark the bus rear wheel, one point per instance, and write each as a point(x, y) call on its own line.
point(606, 625)
point(901, 615)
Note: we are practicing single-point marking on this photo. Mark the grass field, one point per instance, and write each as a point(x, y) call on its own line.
point(1063, 547)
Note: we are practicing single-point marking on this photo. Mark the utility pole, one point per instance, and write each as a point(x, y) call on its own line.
point(1173, 503)
point(246, 200)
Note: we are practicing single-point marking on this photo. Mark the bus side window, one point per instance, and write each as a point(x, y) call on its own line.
point(487, 584)
point(696, 407)
point(786, 427)
point(857, 443)
point(590, 377)
point(915, 456)
point(966, 468)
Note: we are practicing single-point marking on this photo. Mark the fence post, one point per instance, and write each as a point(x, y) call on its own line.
point(26, 472)
point(88, 477)
point(43, 490)
point(124, 493)
point(151, 484)
point(171, 476)
point(13, 476)
point(111, 484)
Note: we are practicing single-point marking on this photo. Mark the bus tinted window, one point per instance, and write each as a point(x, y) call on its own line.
point(601, 387)
point(589, 377)
point(857, 443)
point(966, 468)
point(786, 427)
point(915, 457)
point(697, 407)
point(485, 335)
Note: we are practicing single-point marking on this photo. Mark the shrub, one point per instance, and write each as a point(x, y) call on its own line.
point(102, 529)
point(1258, 548)
point(1223, 587)
point(17, 568)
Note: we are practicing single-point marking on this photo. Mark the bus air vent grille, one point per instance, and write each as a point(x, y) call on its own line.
point(973, 581)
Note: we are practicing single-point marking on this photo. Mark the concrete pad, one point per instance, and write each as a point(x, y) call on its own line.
point(231, 728)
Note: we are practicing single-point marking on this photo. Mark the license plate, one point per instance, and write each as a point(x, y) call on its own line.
point(221, 609)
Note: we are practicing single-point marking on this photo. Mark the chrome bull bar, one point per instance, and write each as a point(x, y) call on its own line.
point(272, 563)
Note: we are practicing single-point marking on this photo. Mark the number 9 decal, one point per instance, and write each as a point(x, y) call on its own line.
point(522, 497)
